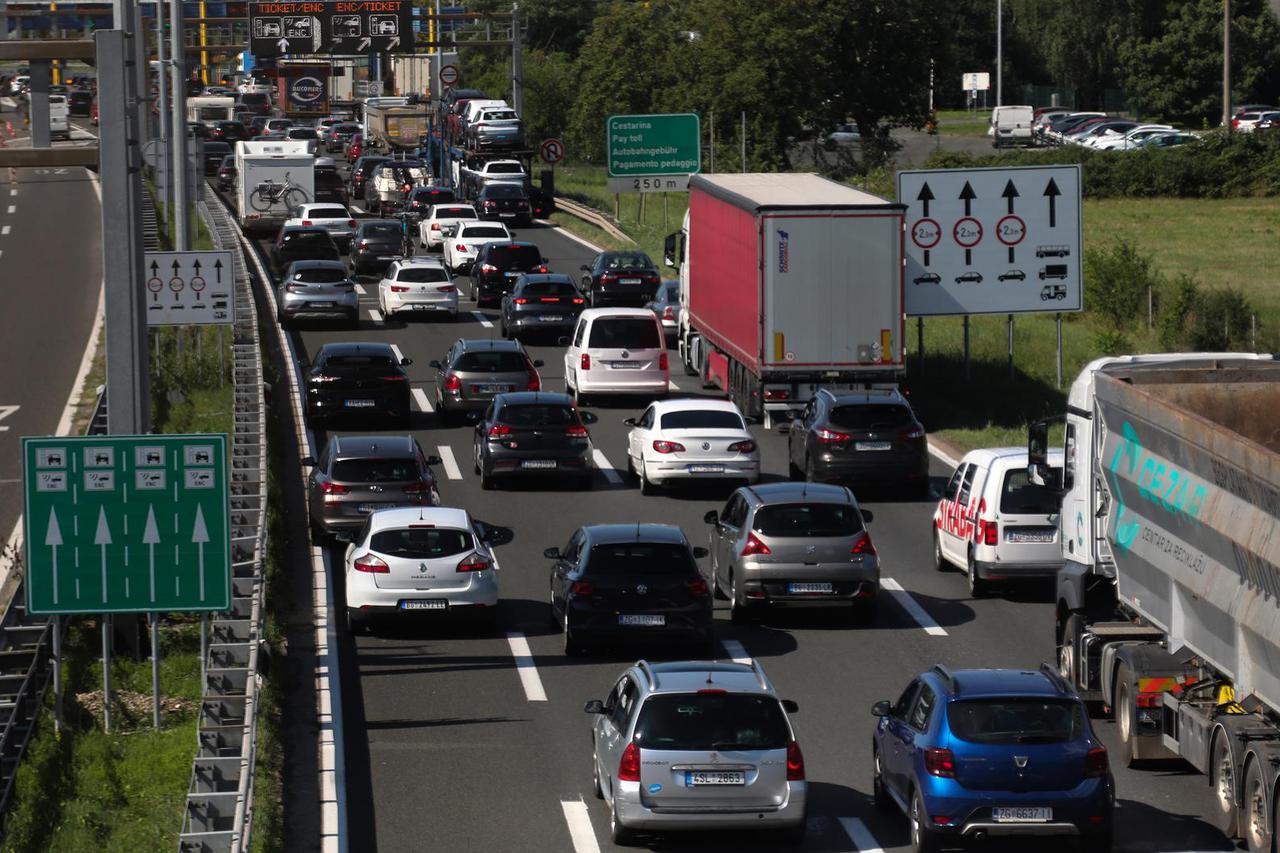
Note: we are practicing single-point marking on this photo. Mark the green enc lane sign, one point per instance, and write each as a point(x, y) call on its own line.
point(666, 146)
point(123, 524)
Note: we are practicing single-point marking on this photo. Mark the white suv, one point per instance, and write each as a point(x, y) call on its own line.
point(418, 286)
point(994, 523)
point(617, 351)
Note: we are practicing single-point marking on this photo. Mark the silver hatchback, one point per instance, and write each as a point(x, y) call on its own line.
point(697, 745)
point(786, 544)
point(317, 290)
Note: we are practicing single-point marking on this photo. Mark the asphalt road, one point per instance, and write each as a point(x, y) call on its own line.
point(453, 743)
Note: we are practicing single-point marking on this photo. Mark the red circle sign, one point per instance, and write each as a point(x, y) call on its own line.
point(449, 75)
point(551, 150)
point(155, 285)
point(967, 232)
point(926, 233)
point(1011, 230)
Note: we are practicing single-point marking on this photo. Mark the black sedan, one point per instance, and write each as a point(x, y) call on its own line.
point(376, 243)
point(421, 198)
point(214, 153)
point(504, 202)
point(229, 131)
point(533, 434)
point(620, 278)
point(541, 302)
point(358, 379)
point(497, 266)
point(302, 243)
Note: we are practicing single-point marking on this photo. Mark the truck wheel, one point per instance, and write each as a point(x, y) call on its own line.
point(686, 356)
point(1124, 715)
point(1067, 649)
point(1257, 816)
point(1223, 770)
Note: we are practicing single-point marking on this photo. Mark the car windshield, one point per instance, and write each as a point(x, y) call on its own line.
point(486, 231)
point(375, 470)
point(1011, 721)
point(625, 333)
point(1023, 497)
point(422, 543)
point(548, 288)
point(501, 361)
point(706, 721)
point(541, 415)
point(871, 417)
point(357, 363)
point(637, 261)
point(503, 191)
point(321, 275)
point(515, 257)
point(422, 274)
point(712, 419)
point(384, 229)
point(810, 520)
point(640, 559)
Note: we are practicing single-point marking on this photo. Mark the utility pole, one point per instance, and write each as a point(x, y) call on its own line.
point(163, 158)
point(180, 167)
point(517, 63)
point(1226, 64)
point(1000, 53)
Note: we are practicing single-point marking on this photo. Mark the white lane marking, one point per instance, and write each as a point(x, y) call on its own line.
point(525, 668)
point(675, 385)
point(736, 651)
point(5, 230)
point(12, 193)
point(375, 315)
point(480, 318)
point(944, 458)
point(606, 467)
point(358, 209)
point(360, 289)
point(13, 208)
point(580, 831)
point(860, 835)
point(424, 404)
point(450, 464)
point(913, 608)
point(399, 355)
point(575, 238)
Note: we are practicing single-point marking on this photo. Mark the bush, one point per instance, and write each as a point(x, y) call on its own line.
point(1177, 306)
point(1118, 281)
point(1111, 342)
point(1222, 320)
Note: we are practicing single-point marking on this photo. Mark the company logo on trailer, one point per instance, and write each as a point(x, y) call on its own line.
point(784, 251)
point(306, 89)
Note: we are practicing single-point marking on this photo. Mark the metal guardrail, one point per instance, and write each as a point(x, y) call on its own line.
point(219, 810)
point(595, 217)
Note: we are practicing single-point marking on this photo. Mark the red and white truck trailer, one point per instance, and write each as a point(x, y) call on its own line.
point(789, 283)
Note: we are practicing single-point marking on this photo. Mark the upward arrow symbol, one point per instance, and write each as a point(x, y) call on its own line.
point(176, 266)
point(1010, 193)
point(53, 538)
point(200, 535)
point(102, 538)
point(217, 266)
point(967, 195)
point(925, 196)
point(155, 267)
point(150, 538)
point(1052, 192)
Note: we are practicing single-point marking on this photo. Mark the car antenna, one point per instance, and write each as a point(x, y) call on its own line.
point(708, 676)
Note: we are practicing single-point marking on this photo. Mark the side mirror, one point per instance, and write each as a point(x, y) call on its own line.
point(552, 553)
point(404, 362)
point(699, 553)
point(436, 364)
point(868, 516)
point(588, 417)
point(881, 708)
point(593, 706)
point(537, 362)
point(791, 706)
point(1039, 471)
point(669, 250)
point(434, 460)
point(630, 422)
point(712, 517)
point(309, 461)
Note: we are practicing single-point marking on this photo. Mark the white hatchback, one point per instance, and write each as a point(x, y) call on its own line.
point(691, 439)
point(433, 226)
point(417, 286)
point(462, 243)
point(429, 559)
point(617, 351)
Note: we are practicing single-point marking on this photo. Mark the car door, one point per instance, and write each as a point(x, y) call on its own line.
point(574, 351)
point(798, 436)
point(319, 472)
point(894, 734)
point(639, 436)
point(728, 531)
point(959, 518)
point(615, 728)
point(600, 731)
point(946, 523)
point(562, 572)
point(915, 731)
point(387, 277)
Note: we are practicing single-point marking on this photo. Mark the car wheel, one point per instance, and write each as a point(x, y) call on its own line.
point(356, 623)
point(595, 777)
point(922, 840)
point(1097, 842)
point(647, 486)
point(717, 591)
point(1124, 716)
point(940, 563)
point(977, 586)
point(571, 646)
point(864, 609)
point(1223, 772)
point(810, 472)
point(587, 483)
point(1067, 649)
point(1256, 819)
point(622, 836)
point(793, 471)
point(486, 481)
point(475, 459)
point(879, 794)
point(738, 607)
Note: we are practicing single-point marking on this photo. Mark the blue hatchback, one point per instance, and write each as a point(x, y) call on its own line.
point(989, 753)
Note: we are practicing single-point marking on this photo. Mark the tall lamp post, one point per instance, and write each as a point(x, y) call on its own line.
point(1000, 53)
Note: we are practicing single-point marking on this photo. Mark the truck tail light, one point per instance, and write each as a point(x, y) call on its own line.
point(777, 394)
point(584, 363)
point(862, 546)
point(754, 546)
point(940, 762)
point(830, 436)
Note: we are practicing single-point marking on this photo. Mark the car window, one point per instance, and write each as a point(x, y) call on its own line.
point(953, 485)
point(381, 230)
point(421, 274)
point(706, 721)
point(903, 705)
point(625, 333)
point(503, 191)
point(726, 514)
point(548, 288)
point(511, 257)
point(375, 470)
point(739, 512)
point(355, 363)
point(626, 701)
point(966, 484)
point(422, 543)
point(646, 420)
point(1027, 720)
point(570, 553)
point(454, 213)
point(640, 559)
point(505, 169)
point(541, 415)
point(807, 520)
point(320, 275)
point(702, 420)
point(486, 231)
point(923, 708)
point(874, 417)
point(1020, 496)
point(577, 337)
point(637, 261)
point(328, 213)
point(501, 361)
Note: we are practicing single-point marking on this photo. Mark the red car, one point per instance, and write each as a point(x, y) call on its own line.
point(355, 148)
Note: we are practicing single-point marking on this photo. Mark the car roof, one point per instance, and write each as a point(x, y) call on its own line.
point(439, 516)
point(691, 676)
point(869, 397)
point(490, 345)
point(973, 683)
point(419, 261)
point(617, 534)
point(775, 493)
point(533, 398)
point(988, 456)
point(547, 278)
point(694, 404)
point(361, 446)
point(605, 313)
point(357, 348)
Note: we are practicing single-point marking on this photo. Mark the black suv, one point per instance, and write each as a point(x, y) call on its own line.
point(498, 265)
point(619, 582)
point(620, 278)
point(505, 203)
point(359, 474)
point(534, 434)
point(376, 243)
point(858, 438)
point(302, 243)
point(421, 198)
point(358, 379)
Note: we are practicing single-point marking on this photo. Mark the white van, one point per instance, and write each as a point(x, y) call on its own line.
point(59, 117)
point(1011, 126)
point(994, 523)
point(617, 351)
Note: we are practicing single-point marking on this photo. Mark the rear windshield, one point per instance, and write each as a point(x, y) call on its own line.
point(486, 231)
point(355, 363)
point(871, 417)
point(454, 213)
point(639, 261)
point(505, 169)
point(706, 721)
point(210, 113)
point(702, 420)
point(327, 178)
point(808, 520)
point(537, 416)
point(422, 274)
point(515, 257)
point(387, 230)
point(421, 543)
point(375, 470)
point(492, 362)
point(302, 133)
point(254, 98)
point(1020, 496)
point(432, 194)
point(308, 237)
point(625, 333)
point(322, 275)
point(1016, 720)
point(549, 288)
point(504, 191)
point(641, 558)
point(499, 115)
point(329, 213)
point(345, 128)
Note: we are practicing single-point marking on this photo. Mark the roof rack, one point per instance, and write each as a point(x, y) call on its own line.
point(1055, 678)
point(947, 676)
point(648, 673)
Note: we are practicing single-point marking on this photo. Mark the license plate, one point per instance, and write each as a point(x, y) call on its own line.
point(425, 604)
point(506, 215)
point(491, 389)
point(626, 365)
point(872, 445)
point(720, 777)
point(538, 463)
point(372, 507)
point(629, 280)
point(360, 404)
point(1014, 536)
point(551, 318)
point(512, 274)
point(1022, 814)
point(321, 304)
point(706, 469)
point(641, 619)
point(810, 587)
point(424, 307)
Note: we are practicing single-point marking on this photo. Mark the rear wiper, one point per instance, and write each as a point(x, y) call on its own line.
point(731, 745)
point(1037, 739)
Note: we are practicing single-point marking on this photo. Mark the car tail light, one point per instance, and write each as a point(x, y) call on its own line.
point(549, 299)
point(418, 487)
point(351, 223)
point(583, 588)
point(474, 563)
point(912, 434)
point(452, 382)
point(499, 431)
point(461, 247)
point(662, 361)
point(333, 488)
point(398, 288)
point(575, 431)
point(446, 288)
point(697, 587)
point(406, 189)
point(1095, 763)
point(520, 300)
point(371, 564)
point(435, 226)
point(487, 203)
point(754, 546)
point(830, 436)
point(584, 363)
point(535, 382)
point(364, 244)
point(394, 377)
point(777, 394)
point(578, 300)
point(795, 763)
point(488, 268)
point(747, 446)
point(862, 546)
point(541, 268)
point(988, 532)
point(306, 222)
point(320, 377)
point(629, 766)
point(293, 287)
point(669, 313)
point(607, 277)
point(940, 762)
point(668, 446)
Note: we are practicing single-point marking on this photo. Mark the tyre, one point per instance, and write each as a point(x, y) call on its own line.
point(863, 610)
point(977, 586)
point(922, 839)
point(1124, 716)
point(940, 563)
point(587, 483)
point(572, 648)
point(595, 777)
point(1256, 814)
point(793, 471)
point(739, 610)
point(1097, 842)
point(486, 481)
point(810, 472)
point(647, 486)
point(1067, 649)
point(879, 793)
point(356, 623)
point(717, 591)
point(622, 836)
point(1222, 768)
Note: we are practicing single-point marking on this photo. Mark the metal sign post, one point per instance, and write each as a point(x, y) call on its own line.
point(179, 105)
point(155, 669)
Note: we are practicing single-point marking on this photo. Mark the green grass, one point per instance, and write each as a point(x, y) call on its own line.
point(587, 184)
point(963, 122)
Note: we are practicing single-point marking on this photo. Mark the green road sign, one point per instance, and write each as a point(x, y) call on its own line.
point(644, 145)
point(120, 524)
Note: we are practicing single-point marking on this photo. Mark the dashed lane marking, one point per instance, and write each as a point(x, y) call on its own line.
point(360, 289)
point(580, 831)
point(480, 318)
point(375, 315)
point(13, 208)
point(4, 231)
point(447, 461)
point(736, 651)
point(861, 837)
point(525, 667)
point(399, 355)
point(424, 403)
point(913, 608)
point(606, 467)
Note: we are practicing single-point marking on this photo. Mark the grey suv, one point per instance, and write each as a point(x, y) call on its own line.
point(697, 745)
point(786, 544)
point(473, 372)
point(360, 474)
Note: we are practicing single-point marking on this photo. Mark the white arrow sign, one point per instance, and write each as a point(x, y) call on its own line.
point(364, 44)
point(53, 538)
point(102, 538)
point(283, 44)
point(393, 43)
point(200, 535)
point(151, 537)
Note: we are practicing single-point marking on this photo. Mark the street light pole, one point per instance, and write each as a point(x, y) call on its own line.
point(1000, 53)
point(1226, 64)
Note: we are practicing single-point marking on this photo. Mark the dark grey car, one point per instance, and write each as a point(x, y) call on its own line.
point(317, 290)
point(360, 474)
point(666, 307)
point(546, 303)
point(376, 243)
point(473, 372)
point(534, 434)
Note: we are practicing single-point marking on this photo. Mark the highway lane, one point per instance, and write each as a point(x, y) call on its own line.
point(448, 742)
